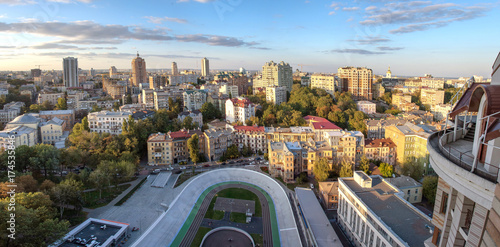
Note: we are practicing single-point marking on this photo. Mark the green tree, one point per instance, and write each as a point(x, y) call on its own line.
point(128, 99)
point(85, 123)
point(187, 123)
point(321, 169)
point(100, 180)
point(46, 157)
point(429, 185)
point(116, 106)
point(209, 111)
point(96, 108)
point(61, 104)
point(413, 168)
point(364, 164)
point(386, 170)
point(67, 193)
point(346, 169)
point(28, 183)
point(232, 152)
point(194, 148)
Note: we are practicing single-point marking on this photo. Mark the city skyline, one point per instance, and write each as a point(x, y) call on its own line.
point(413, 37)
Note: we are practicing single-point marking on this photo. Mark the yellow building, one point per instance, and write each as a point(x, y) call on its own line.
point(292, 134)
point(431, 96)
point(400, 99)
point(410, 140)
point(323, 81)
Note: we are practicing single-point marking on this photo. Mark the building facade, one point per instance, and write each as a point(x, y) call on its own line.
point(195, 115)
point(431, 96)
point(253, 137)
point(323, 81)
point(276, 74)
point(107, 121)
point(70, 72)
point(216, 142)
point(239, 109)
point(205, 67)
point(194, 99)
point(381, 149)
point(366, 107)
point(68, 116)
point(52, 130)
point(139, 74)
point(276, 95)
point(358, 81)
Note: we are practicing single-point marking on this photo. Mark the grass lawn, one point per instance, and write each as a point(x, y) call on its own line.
point(238, 217)
point(213, 214)
point(199, 236)
point(91, 199)
point(185, 176)
point(258, 239)
point(238, 193)
point(295, 185)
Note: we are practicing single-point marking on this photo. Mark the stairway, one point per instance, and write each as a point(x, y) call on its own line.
point(470, 133)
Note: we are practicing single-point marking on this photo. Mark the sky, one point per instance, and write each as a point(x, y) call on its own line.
point(445, 38)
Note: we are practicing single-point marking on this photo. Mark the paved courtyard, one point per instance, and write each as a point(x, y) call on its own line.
point(234, 205)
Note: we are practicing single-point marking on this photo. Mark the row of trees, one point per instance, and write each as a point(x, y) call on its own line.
point(323, 169)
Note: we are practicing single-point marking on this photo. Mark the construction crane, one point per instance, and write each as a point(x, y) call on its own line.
point(301, 66)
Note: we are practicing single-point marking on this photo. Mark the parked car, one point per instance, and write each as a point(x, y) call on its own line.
point(312, 186)
point(206, 165)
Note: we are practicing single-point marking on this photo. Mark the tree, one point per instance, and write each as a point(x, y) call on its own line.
point(386, 170)
point(128, 100)
point(61, 104)
point(85, 123)
point(116, 106)
point(232, 152)
point(96, 108)
point(187, 123)
point(321, 168)
point(46, 186)
point(413, 168)
point(36, 224)
point(209, 111)
point(67, 193)
point(364, 164)
point(346, 169)
point(194, 148)
point(429, 185)
point(100, 179)
point(46, 157)
point(28, 183)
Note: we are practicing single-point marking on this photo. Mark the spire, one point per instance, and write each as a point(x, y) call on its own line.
point(137, 53)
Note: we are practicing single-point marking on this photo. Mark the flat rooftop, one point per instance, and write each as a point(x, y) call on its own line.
point(316, 219)
point(93, 228)
point(397, 214)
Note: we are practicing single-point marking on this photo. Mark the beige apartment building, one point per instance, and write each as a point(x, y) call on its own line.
point(52, 130)
point(217, 140)
point(171, 148)
point(358, 81)
point(412, 189)
point(367, 107)
point(399, 99)
point(68, 116)
point(51, 97)
point(330, 194)
point(291, 134)
point(275, 74)
point(139, 74)
point(381, 149)
point(323, 81)
point(431, 96)
point(276, 95)
point(253, 137)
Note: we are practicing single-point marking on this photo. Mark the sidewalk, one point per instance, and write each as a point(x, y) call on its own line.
point(93, 213)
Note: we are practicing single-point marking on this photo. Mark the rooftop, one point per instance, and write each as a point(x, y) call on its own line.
point(57, 112)
point(330, 187)
point(325, 125)
point(25, 119)
point(91, 228)
point(250, 128)
point(397, 214)
point(375, 143)
point(403, 182)
point(316, 220)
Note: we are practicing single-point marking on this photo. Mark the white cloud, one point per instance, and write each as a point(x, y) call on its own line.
point(159, 20)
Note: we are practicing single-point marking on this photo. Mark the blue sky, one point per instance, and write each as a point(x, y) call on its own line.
point(439, 37)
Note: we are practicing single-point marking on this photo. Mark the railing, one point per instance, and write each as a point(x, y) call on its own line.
point(462, 159)
point(460, 92)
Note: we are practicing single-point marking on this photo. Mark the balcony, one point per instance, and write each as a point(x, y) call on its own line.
point(453, 162)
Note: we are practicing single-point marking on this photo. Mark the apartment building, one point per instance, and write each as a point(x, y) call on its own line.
point(440, 111)
point(291, 134)
point(323, 81)
point(276, 95)
point(216, 142)
point(371, 212)
point(467, 205)
point(276, 74)
point(320, 126)
point(375, 129)
point(346, 145)
point(410, 140)
point(378, 90)
point(115, 89)
point(358, 81)
point(171, 148)
point(10, 111)
point(231, 90)
point(107, 121)
point(431, 96)
point(329, 192)
point(412, 189)
point(67, 116)
point(22, 135)
point(399, 99)
point(239, 110)
point(196, 115)
point(253, 137)
point(367, 107)
point(430, 82)
point(194, 99)
point(51, 97)
point(381, 149)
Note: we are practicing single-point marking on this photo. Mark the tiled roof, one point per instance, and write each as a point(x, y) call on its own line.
point(325, 125)
point(250, 128)
point(374, 143)
point(315, 119)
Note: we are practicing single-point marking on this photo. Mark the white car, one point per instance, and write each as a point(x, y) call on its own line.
point(312, 186)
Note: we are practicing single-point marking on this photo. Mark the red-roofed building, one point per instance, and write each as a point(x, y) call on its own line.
point(320, 125)
point(239, 109)
point(171, 148)
point(381, 149)
point(251, 136)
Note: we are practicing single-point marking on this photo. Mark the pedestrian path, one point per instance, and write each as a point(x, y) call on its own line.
point(161, 179)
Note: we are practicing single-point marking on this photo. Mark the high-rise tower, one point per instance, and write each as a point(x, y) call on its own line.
point(70, 72)
point(139, 74)
point(175, 71)
point(205, 69)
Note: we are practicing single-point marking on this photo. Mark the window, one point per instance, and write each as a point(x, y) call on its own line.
point(444, 203)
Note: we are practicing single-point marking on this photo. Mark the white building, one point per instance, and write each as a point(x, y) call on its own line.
point(372, 212)
point(253, 137)
point(205, 67)
point(231, 90)
point(195, 115)
point(194, 99)
point(440, 111)
point(367, 107)
point(178, 79)
point(239, 109)
point(107, 121)
point(276, 95)
point(10, 111)
point(51, 97)
point(274, 74)
point(322, 81)
point(70, 72)
point(22, 135)
point(161, 100)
